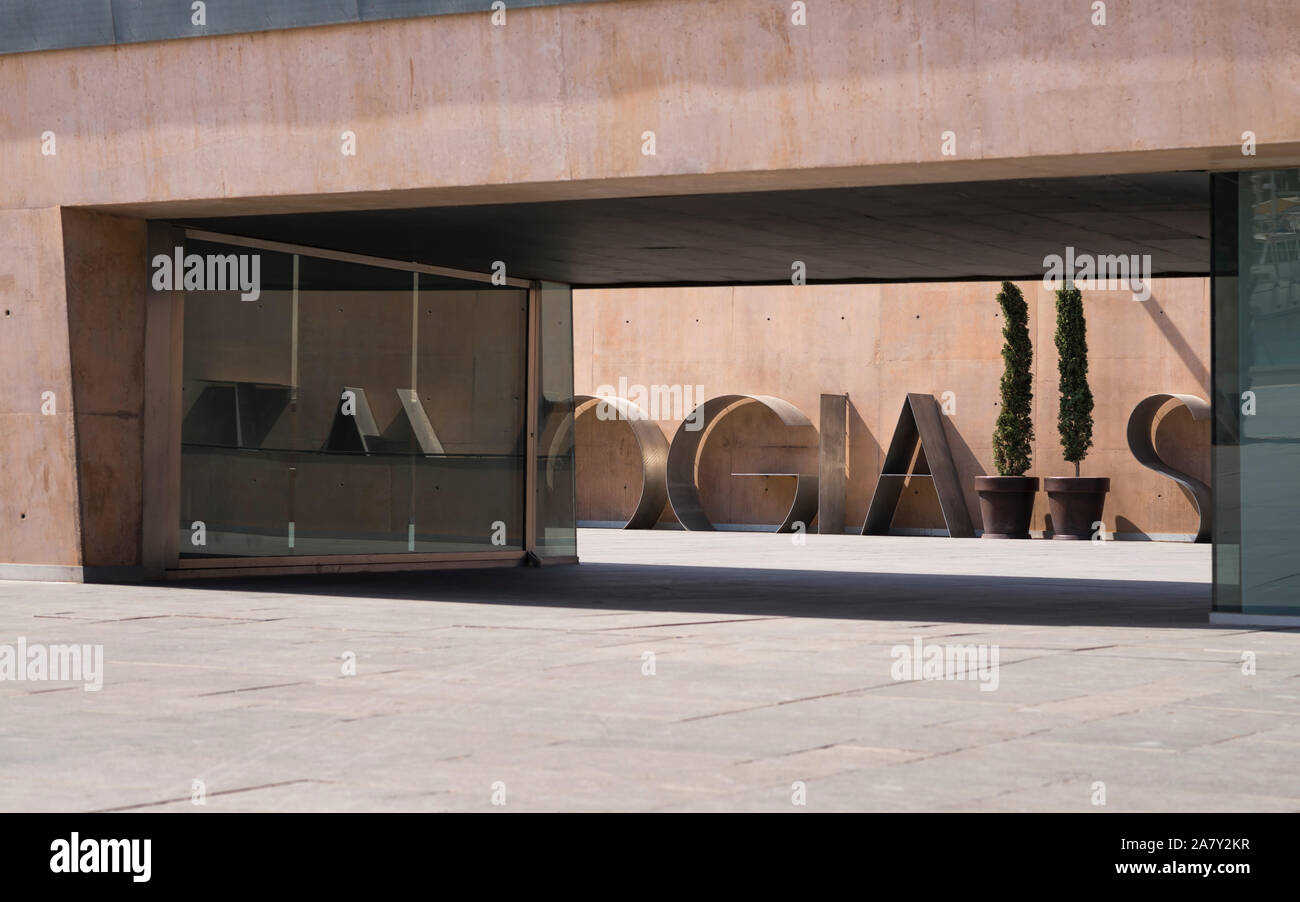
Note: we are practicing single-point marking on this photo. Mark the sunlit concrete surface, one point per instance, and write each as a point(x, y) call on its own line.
point(771, 668)
point(739, 97)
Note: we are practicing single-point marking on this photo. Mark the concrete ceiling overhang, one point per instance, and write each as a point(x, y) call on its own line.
point(951, 231)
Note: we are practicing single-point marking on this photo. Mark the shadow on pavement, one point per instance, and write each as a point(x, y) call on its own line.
point(742, 592)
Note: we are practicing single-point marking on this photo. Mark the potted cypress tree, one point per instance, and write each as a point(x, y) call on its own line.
point(1076, 502)
point(1007, 500)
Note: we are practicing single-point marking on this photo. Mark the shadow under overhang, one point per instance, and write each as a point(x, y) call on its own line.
point(980, 230)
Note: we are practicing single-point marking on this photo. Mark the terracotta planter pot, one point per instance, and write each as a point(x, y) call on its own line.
point(1006, 505)
point(1076, 503)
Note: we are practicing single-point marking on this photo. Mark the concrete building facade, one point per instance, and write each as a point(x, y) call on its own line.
point(625, 143)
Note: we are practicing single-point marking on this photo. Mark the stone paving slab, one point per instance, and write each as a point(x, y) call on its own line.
point(773, 668)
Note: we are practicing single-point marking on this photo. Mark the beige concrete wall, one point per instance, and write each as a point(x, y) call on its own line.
point(71, 323)
point(106, 276)
point(39, 507)
point(451, 109)
point(877, 343)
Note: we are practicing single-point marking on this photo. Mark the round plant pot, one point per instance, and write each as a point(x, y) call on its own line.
point(1006, 505)
point(1076, 503)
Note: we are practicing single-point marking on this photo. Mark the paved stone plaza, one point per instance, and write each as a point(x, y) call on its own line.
point(771, 667)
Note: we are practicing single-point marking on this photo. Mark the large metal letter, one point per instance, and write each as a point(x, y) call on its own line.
point(684, 492)
point(919, 421)
point(652, 444)
point(832, 464)
point(1141, 443)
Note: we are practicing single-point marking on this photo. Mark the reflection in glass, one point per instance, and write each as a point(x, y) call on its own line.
point(556, 508)
point(352, 409)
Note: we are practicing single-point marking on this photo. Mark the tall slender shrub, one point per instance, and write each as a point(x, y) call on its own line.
point(1075, 419)
point(1014, 434)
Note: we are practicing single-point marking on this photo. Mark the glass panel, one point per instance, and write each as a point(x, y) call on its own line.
point(350, 460)
point(236, 393)
point(1257, 454)
point(352, 409)
point(556, 509)
point(470, 368)
point(1227, 394)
